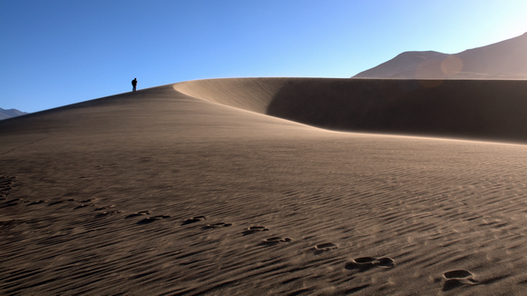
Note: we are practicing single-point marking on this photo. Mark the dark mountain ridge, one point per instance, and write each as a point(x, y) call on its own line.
point(8, 113)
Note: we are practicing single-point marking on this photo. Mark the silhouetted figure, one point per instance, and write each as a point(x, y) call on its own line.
point(134, 83)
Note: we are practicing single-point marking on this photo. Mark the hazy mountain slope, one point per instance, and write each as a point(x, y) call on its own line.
point(4, 114)
point(502, 60)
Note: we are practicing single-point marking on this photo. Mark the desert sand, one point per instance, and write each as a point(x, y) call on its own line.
point(258, 187)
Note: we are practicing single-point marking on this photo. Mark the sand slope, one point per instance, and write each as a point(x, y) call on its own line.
point(155, 193)
point(478, 109)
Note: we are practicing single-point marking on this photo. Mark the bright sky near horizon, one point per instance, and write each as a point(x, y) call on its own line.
point(59, 52)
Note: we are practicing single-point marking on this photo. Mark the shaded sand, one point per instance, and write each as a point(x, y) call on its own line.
point(477, 109)
point(174, 191)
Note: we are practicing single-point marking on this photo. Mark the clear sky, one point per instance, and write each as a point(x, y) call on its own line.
point(58, 52)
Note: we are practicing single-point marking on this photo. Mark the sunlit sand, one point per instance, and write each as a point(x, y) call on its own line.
point(257, 187)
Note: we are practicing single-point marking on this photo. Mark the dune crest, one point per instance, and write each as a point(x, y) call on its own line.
point(474, 109)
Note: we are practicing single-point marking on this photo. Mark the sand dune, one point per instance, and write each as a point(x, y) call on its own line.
point(478, 109)
point(191, 189)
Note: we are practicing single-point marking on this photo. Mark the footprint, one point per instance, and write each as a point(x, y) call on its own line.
point(6, 183)
point(153, 219)
point(102, 214)
point(82, 205)
point(55, 202)
point(11, 222)
point(321, 248)
point(137, 214)
point(88, 200)
point(194, 220)
point(13, 203)
point(457, 278)
point(38, 202)
point(362, 263)
point(217, 225)
point(385, 262)
point(365, 263)
point(457, 274)
point(275, 240)
point(254, 229)
point(104, 208)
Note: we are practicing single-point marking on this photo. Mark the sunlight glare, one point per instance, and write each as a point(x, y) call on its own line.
point(452, 65)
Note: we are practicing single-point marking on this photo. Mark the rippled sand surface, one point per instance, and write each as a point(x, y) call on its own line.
point(191, 189)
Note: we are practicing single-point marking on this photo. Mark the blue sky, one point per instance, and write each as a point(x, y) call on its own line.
point(58, 52)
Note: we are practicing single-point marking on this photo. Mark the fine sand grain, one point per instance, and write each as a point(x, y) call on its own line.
point(193, 189)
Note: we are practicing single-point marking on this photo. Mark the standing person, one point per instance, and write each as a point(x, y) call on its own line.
point(134, 83)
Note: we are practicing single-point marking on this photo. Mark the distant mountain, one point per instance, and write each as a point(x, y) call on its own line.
point(502, 60)
point(5, 114)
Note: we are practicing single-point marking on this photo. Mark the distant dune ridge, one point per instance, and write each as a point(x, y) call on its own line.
point(502, 60)
point(8, 113)
point(249, 187)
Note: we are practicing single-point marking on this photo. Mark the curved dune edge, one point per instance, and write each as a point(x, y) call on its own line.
point(251, 94)
point(473, 109)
